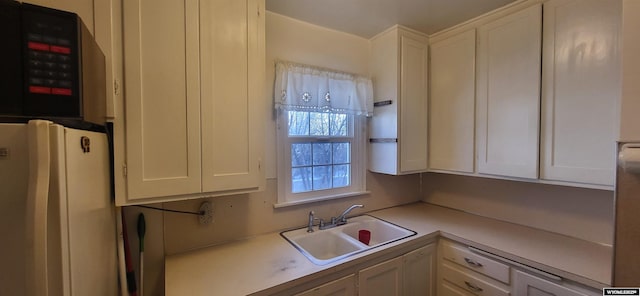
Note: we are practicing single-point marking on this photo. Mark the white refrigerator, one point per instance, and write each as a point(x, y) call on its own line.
point(57, 219)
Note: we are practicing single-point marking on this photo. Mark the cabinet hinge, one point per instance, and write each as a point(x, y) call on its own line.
point(116, 87)
point(259, 164)
point(124, 170)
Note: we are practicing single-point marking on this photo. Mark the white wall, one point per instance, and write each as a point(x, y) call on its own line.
point(295, 41)
point(577, 212)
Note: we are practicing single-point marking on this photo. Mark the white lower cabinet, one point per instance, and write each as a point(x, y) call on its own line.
point(472, 281)
point(412, 273)
point(462, 256)
point(465, 272)
point(448, 289)
point(529, 285)
point(460, 272)
point(345, 286)
point(384, 279)
point(419, 272)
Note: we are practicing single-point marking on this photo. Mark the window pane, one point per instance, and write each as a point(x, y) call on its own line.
point(301, 179)
point(341, 176)
point(321, 153)
point(323, 161)
point(341, 153)
point(298, 123)
point(300, 154)
point(321, 177)
point(339, 125)
point(319, 124)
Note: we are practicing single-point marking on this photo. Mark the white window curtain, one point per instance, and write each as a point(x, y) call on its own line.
point(307, 88)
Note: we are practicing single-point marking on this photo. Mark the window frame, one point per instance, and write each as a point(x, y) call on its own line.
point(358, 157)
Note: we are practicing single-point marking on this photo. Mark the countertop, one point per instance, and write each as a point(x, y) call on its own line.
point(268, 264)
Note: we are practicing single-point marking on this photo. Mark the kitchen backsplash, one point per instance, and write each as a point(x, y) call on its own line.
point(577, 212)
point(240, 216)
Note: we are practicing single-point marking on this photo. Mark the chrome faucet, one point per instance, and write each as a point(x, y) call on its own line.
point(311, 219)
point(340, 220)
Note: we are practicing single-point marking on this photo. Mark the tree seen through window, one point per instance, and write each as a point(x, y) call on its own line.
point(320, 150)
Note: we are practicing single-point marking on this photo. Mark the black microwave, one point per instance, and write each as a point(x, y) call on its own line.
point(50, 65)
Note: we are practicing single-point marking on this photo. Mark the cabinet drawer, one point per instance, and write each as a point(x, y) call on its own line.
point(471, 282)
point(475, 262)
point(448, 289)
point(345, 286)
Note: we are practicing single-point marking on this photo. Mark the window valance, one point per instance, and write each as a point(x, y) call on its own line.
point(307, 88)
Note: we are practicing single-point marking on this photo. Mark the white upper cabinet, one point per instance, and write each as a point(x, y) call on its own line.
point(452, 103)
point(232, 73)
point(508, 94)
point(580, 90)
point(162, 97)
point(547, 93)
point(194, 74)
point(398, 131)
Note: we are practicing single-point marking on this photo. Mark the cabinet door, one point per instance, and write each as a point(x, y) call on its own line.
point(232, 73)
point(529, 285)
point(581, 90)
point(162, 97)
point(448, 289)
point(508, 94)
point(473, 282)
point(345, 286)
point(419, 272)
point(413, 105)
point(383, 157)
point(452, 103)
point(384, 279)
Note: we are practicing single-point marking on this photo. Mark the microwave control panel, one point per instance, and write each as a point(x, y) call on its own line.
point(49, 67)
point(50, 58)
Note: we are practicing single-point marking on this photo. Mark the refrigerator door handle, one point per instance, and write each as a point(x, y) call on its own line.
point(37, 204)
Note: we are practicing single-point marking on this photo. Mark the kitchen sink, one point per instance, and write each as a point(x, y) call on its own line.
point(382, 232)
point(326, 246)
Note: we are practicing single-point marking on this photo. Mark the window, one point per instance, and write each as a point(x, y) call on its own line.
point(321, 155)
point(321, 136)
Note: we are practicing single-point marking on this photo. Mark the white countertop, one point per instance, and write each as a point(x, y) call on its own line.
point(268, 263)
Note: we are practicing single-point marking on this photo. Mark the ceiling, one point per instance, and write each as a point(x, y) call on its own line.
point(366, 18)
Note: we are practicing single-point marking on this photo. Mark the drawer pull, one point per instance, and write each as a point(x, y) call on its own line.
point(472, 263)
point(472, 287)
